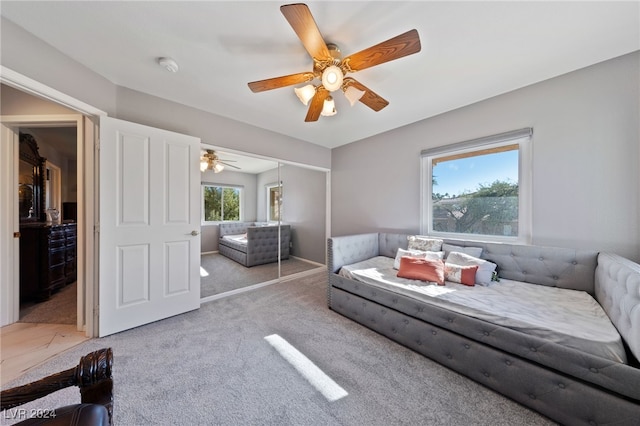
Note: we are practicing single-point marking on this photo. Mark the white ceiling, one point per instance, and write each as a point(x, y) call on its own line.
point(470, 51)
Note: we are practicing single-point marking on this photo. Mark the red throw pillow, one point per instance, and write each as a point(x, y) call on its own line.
point(422, 269)
point(461, 274)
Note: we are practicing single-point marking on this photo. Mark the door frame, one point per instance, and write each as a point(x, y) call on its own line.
point(87, 141)
point(13, 123)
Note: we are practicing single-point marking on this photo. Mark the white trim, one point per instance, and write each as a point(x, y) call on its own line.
point(83, 164)
point(35, 88)
point(9, 246)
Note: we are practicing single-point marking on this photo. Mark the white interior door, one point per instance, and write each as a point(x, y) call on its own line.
point(149, 225)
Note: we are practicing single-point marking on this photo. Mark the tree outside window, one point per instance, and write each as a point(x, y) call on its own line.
point(221, 203)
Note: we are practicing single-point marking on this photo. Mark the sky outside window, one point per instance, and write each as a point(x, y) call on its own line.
point(462, 175)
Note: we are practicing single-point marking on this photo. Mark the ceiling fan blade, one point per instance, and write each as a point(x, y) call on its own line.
point(300, 18)
point(277, 82)
point(316, 104)
point(394, 48)
point(370, 98)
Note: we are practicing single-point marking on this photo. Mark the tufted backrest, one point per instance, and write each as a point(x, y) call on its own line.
point(617, 289)
point(234, 228)
point(550, 266)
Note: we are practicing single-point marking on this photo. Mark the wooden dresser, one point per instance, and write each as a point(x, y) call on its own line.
point(47, 259)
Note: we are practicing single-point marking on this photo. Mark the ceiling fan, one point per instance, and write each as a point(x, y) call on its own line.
point(330, 67)
point(210, 161)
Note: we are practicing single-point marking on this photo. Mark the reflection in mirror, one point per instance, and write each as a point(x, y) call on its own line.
point(229, 261)
point(253, 250)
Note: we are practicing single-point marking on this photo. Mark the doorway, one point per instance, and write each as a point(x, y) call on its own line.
point(57, 143)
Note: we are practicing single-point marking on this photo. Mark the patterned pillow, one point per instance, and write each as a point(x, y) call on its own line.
point(485, 271)
point(424, 243)
point(460, 274)
point(422, 269)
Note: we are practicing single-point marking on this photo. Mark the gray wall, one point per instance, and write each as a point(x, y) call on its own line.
point(304, 208)
point(585, 160)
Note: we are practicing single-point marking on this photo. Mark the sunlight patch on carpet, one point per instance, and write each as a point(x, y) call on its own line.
point(203, 272)
point(318, 379)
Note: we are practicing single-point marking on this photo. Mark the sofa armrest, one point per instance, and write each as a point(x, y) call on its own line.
point(348, 249)
point(93, 375)
point(617, 289)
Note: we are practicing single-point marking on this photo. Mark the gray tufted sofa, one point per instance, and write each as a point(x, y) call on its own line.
point(565, 384)
point(262, 242)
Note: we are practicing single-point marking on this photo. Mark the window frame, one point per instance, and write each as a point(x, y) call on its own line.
point(240, 188)
point(523, 138)
point(269, 188)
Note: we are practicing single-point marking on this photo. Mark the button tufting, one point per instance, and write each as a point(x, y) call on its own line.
point(486, 333)
point(541, 258)
point(406, 321)
point(555, 277)
point(532, 396)
point(419, 342)
point(561, 385)
point(507, 362)
point(574, 263)
point(449, 356)
point(486, 374)
point(533, 349)
point(593, 370)
point(466, 346)
point(434, 332)
point(593, 422)
point(450, 320)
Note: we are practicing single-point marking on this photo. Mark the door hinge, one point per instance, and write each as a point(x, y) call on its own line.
point(16, 235)
point(96, 311)
point(97, 144)
point(96, 228)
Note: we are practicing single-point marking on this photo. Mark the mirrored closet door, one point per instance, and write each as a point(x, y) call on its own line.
point(262, 220)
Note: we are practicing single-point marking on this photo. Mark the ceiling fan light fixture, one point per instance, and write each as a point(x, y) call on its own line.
point(204, 165)
point(305, 93)
point(218, 167)
point(329, 107)
point(332, 78)
point(353, 95)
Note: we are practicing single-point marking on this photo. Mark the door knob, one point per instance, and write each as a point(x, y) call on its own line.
point(194, 233)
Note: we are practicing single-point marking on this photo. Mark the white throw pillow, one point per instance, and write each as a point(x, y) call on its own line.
point(431, 255)
point(485, 268)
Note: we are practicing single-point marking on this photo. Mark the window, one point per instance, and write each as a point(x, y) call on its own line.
point(274, 205)
point(221, 203)
point(479, 189)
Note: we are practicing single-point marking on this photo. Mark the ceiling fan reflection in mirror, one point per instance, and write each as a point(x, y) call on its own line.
point(210, 161)
point(331, 68)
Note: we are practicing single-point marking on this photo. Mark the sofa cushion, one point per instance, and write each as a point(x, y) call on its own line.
point(431, 270)
point(471, 251)
point(416, 253)
point(421, 242)
point(485, 268)
point(460, 274)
